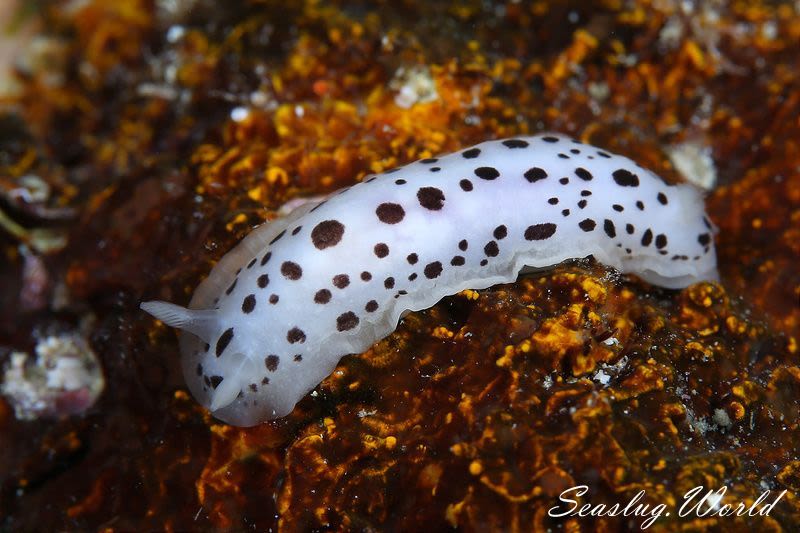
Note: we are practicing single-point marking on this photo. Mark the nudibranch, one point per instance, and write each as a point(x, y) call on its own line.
point(278, 311)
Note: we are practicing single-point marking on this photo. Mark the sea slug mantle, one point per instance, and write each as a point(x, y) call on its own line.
point(278, 311)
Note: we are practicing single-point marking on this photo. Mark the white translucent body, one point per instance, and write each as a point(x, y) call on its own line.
point(433, 235)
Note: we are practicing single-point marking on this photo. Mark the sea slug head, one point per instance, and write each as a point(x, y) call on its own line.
point(238, 385)
point(225, 369)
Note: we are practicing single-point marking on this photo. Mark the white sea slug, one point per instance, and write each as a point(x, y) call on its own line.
point(277, 312)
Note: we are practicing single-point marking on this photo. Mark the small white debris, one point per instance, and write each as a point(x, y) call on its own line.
point(238, 114)
point(414, 85)
point(601, 377)
point(171, 74)
point(65, 379)
point(671, 34)
point(259, 99)
point(693, 160)
point(32, 189)
point(620, 365)
point(299, 111)
point(172, 11)
point(175, 33)
point(721, 418)
point(152, 90)
point(611, 341)
point(698, 425)
point(472, 120)
point(769, 30)
point(598, 90)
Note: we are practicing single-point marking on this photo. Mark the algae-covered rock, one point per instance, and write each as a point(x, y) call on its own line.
point(157, 134)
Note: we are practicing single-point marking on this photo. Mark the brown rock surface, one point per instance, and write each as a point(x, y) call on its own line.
point(173, 128)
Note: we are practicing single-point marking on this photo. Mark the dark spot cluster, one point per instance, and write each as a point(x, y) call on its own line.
point(540, 232)
point(625, 178)
point(248, 304)
point(381, 250)
point(296, 335)
point(515, 143)
point(431, 198)
point(487, 173)
point(647, 237)
point(390, 213)
point(346, 321)
point(329, 233)
point(271, 362)
point(291, 270)
point(277, 237)
point(223, 341)
point(326, 234)
point(322, 296)
point(609, 228)
point(231, 287)
point(705, 241)
point(535, 174)
point(433, 270)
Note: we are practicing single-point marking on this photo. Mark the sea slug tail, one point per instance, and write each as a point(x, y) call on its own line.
point(199, 322)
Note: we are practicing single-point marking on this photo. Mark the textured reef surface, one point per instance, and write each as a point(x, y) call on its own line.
point(140, 140)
